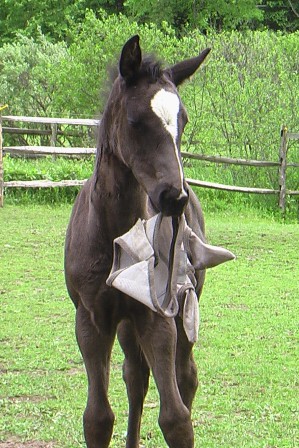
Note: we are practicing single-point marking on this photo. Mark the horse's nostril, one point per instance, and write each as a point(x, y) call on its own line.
point(183, 196)
point(172, 201)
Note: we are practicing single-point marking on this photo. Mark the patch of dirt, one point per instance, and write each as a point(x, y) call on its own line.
point(22, 398)
point(14, 443)
point(75, 371)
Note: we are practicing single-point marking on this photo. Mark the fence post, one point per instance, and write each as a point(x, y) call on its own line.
point(53, 134)
point(53, 137)
point(1, 158)
point(283, 167)
point(1, 165)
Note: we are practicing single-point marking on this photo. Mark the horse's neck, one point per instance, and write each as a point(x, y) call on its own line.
point(116, 196)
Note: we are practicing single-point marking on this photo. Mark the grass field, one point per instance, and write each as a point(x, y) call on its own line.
point(247, 355)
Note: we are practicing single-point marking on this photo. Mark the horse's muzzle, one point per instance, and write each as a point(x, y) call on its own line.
point(172, 202)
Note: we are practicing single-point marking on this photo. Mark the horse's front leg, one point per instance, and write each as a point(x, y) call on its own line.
point(158, 338)
point(136, 376)
point(95, 346)
point(186, 370)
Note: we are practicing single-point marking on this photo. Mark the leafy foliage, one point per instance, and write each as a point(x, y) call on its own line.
point(217, 14)
point(236, 103)
point(239, 102)
point(54, 18)
point(280, 14)
point(30, 17)
point(29, 74)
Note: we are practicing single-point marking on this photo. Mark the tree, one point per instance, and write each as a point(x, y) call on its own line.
point(52, 18)
point(29, 16)
point(204, 14)
point(280, 14)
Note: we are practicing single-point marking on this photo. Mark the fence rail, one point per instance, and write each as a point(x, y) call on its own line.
point(53, 150)
point(231, 161)
point(49, 120)
point(49, 150)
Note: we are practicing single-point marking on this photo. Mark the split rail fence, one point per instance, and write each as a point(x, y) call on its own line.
point(54, 128)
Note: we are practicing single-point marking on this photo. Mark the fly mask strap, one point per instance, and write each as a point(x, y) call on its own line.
point(167, 244)
point(171, 290)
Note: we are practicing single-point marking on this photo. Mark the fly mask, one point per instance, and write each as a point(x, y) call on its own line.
point(155, 263)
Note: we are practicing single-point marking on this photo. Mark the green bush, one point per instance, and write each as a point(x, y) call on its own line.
point(29, 75)
point(48, 168)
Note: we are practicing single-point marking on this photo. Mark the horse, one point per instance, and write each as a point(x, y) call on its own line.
point(138, 172)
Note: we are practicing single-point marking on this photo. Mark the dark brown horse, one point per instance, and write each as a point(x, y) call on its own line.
point(138, 172)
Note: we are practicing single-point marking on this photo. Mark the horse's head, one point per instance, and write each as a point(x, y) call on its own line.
point(149, 125)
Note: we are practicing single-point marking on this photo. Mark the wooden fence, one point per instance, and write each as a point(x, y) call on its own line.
point(54, 129)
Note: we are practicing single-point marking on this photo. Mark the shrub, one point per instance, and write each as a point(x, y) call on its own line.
point(30, 75)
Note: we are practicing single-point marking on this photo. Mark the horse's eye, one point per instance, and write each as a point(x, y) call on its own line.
point(134, 122)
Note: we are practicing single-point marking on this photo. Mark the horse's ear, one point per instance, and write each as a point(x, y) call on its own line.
point(130, 58)
point(183, 70)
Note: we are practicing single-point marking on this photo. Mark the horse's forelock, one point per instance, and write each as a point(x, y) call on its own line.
point(152, 68)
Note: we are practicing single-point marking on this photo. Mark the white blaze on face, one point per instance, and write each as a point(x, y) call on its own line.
point(166, 106)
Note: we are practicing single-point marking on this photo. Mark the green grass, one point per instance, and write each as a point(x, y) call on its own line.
point(247, 354)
